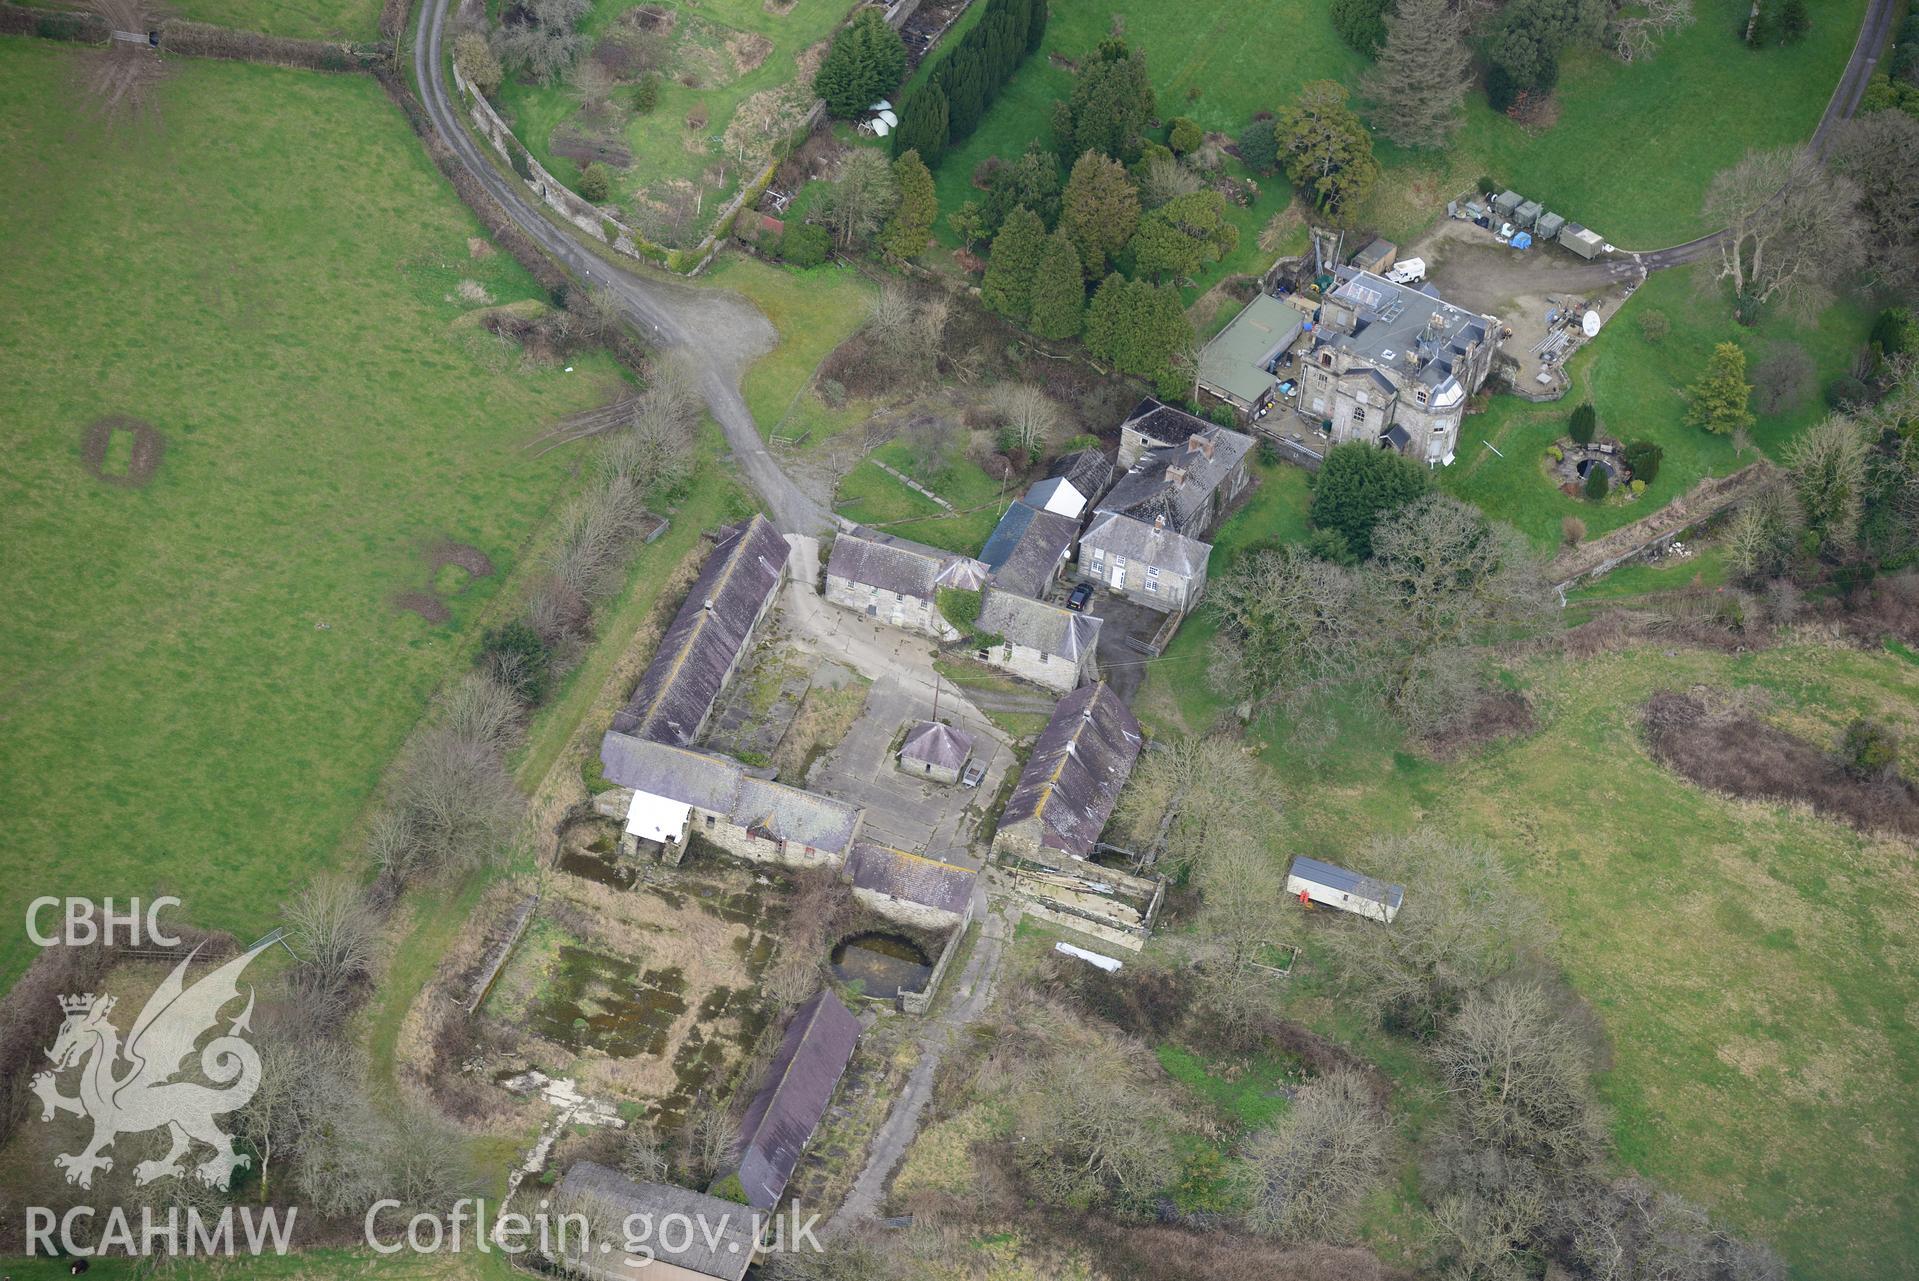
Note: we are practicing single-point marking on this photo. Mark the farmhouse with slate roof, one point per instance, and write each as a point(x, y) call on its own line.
point(754, 818)
point(1180, 470)
point(712, 632)
point(1152, 564)
point(1042, 643)
point(898, 581)
point(799, 1085)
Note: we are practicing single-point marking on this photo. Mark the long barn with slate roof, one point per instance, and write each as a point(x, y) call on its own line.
point(799, 1085)
point(754, 818)
point(912, 888)
point(898, 581)
point(1072, 779)
point(711, 633)
point(721, 1247)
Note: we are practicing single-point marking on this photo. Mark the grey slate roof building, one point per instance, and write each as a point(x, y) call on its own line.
point(721, 1245)
point(722, 787)
point(937, 744)
point(799, 1085)
point(1038, 625)
point(1087, 470)
point(1187, 484)
point(891, 564)
point(1073, 777)
point(703, 645)
point(911, 877)
point(1027, 548)
point(1158, 546)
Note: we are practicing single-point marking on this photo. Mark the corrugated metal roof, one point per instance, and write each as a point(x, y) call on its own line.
point(1078, 765)
point(1347, 881)
point(723, 1249)
point(677, 693)
point(912, 877)
point(799, 1084)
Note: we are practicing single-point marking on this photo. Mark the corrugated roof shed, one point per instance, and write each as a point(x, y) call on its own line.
point(911, 877)
point(799, 1085)
point(1078, 765)
point(937, 744)
point(677, 693)
point(1037, 625)
point(1347, 881)
point(1026, 548)
point(723, 1250)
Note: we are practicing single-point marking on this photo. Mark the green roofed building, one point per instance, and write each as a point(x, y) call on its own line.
point(1236, 366)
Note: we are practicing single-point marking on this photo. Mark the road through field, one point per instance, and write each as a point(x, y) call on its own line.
point(723, 331)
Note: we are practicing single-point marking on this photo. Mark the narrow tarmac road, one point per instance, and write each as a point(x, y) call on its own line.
point(724, 332)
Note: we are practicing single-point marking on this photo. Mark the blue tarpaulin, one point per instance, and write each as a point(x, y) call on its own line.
point(1523, 240)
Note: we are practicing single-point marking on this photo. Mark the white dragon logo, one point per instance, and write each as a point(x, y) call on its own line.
point(144, 1096)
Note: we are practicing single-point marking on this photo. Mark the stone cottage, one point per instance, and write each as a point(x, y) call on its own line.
point(910, 888)
point(1046, 644)
point(898, 581)
point(1181, 470)
point(935, 751)
point(1028, 548)
point(1152, 564)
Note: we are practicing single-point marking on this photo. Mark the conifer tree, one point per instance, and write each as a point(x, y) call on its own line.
point(1100, 210)
point(1718, 401)
point(923, 124)
point(912, 221)
point(1014, 262)
point(866, 62)
point(1059, 290)
point(1418, 87)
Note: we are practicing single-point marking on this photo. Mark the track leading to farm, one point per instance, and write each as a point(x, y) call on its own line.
point(1846, 96)
point(723, 331)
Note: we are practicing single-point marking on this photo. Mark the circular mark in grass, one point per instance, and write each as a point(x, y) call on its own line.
point(425, 604)
point(122, 451)
point(453, 567)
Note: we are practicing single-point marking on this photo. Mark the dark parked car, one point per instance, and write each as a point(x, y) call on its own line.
point(1081, 594)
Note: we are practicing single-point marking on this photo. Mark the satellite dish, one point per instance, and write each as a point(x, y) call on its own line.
point(1590, 323)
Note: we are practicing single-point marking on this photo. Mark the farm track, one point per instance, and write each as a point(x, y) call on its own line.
point(1846, 96)
point(723, 331)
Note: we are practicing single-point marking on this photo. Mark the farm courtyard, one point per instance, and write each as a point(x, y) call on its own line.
point(261, 489)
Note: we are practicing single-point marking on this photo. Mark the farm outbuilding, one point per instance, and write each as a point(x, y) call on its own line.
point(1333, 886)
point(935, 751)
point(1377, 256)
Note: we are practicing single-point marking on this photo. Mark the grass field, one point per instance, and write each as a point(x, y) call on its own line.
point(1637, 388)
point(729, 50)
point(303, 19)
point(1755, 966)
point(204, 677)
point(872, 497)
point(1630, 155)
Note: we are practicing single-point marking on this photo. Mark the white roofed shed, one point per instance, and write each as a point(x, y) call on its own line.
point(1333, 886)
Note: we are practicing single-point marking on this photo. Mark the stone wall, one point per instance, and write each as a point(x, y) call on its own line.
point(741, 843)
point(921, 1001)
point(919, 916)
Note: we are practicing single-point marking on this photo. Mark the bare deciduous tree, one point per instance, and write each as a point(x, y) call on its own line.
point(1763, 535)
point(1791, 228)
point(709, 1141)
point(1519, 1074)
point(1290, 624)
point(1028, 417)
point(333, 929)
point(643, 1154)
point(1194, 789)
point(1307, 1174)
point(1636, 30)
